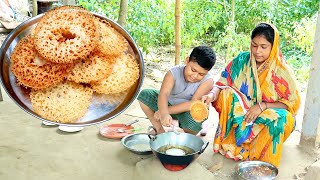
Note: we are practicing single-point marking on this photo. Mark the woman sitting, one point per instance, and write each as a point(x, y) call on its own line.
point(256, 98)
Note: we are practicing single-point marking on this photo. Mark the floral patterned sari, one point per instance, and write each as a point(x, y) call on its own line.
point(243, 85)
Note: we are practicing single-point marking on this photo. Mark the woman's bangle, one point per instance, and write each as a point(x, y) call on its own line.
point(260, 106)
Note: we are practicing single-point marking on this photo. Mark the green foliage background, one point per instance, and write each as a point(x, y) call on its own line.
point(151, 24)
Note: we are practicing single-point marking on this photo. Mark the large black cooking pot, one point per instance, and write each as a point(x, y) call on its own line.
point(176, 150)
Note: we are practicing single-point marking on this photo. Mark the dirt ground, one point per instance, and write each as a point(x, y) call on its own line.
point(31, 150)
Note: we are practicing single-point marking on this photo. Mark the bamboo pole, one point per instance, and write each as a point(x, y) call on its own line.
point(34, 8)
point(233, 10)
point(123, 12)
point(310, 134)
point(1, 99)
point(232, 23)
point(177, 32)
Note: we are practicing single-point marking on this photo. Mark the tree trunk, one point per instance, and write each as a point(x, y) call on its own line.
point(69, 2)
point(123, 12)
point(177, 32)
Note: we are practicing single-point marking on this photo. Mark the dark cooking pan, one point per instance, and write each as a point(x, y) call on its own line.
point(176, 150)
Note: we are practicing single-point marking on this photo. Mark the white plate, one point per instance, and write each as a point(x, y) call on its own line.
point(70, 128)
point(48, 123)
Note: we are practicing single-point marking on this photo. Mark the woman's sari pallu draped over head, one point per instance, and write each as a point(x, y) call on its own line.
point(243, 85)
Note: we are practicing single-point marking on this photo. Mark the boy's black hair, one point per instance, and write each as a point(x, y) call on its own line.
point(204, 56)
point(263, 29)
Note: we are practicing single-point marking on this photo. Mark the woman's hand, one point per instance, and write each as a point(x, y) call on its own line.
point(207, 99)
point(252, 113)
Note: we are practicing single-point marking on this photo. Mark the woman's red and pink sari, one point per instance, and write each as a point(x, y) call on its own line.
point(244, 85)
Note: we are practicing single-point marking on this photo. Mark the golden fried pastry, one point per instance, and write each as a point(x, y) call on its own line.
point(94, 68)
point(33, 72)
point(65, 103)
point(67, 8)
point(124, 74)
point(199, 111)
point(64, 35)
point(111, 42)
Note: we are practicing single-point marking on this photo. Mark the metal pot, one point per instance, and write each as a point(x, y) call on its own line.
point(135, 143)
point(176, 150)
point(97, 112)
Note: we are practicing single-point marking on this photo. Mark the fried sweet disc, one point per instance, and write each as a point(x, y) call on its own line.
point(199, 111)
point(64, 35)
point(33, 72)
point(67, 8)
point(65, 103)
point(94, 68)
point(124, 74)
point(111, 42)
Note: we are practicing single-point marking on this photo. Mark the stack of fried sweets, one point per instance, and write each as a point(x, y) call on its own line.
point(68, 56)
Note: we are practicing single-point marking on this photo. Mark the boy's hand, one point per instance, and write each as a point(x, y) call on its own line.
point(157, 115)
point(166, 120)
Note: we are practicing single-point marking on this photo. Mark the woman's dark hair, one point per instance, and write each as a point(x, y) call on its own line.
point(263, 29)
point(204, 56)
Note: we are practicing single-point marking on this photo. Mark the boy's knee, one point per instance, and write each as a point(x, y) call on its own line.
point(145, 93)
point(142, 93)
point(144, 106)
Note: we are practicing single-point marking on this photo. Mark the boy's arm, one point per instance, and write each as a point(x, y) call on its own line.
point(165, 90)
point(202, 90)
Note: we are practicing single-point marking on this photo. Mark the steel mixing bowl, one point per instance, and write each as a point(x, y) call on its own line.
point(137, 143)
point(97, 112)
point(255, 170)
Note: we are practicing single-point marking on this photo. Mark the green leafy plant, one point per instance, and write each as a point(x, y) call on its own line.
point(108, 8)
